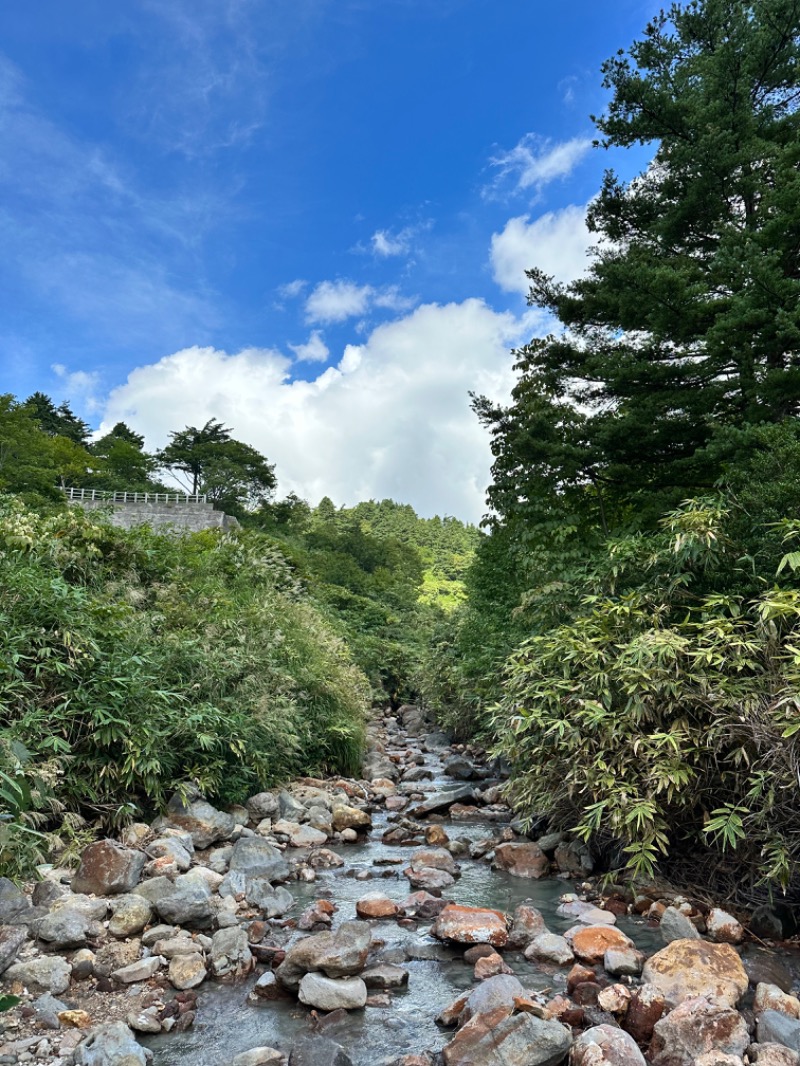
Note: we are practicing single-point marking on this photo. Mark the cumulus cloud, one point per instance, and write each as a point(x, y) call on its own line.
point(315, 350)
point(536, 162)
point(336, 301)
point(557, 242)
point(392, 418)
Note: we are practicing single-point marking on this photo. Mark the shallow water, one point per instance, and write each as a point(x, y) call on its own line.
point(227, 1024)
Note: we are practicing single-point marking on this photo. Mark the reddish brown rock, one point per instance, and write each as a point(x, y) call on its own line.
point(450, 1015)
point(590, 943)
point(521, 1040)
point(605, 1045)
point(479, 951)
point(688, 968)
point(471, 925)
point(490, 966)
point(522, 860)
point(578, 975)
point(645, 1008)
point(436, 837)
point(106, 868)
point(376, 905)
point(694, 1028)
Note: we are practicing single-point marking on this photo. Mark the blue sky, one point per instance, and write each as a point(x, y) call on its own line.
point(309, 218)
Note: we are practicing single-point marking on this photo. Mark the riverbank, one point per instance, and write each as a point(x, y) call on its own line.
point(402, 918)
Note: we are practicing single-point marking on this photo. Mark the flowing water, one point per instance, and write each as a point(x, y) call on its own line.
point(227, 1024)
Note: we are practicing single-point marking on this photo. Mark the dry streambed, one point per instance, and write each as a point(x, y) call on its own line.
point(400, 919)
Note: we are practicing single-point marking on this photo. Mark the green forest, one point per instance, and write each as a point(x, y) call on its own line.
point(625, 627)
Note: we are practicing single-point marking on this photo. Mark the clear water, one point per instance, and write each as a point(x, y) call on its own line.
point(227, 1024)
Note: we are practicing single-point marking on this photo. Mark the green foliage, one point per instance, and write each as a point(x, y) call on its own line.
point(664, 712)
point(26, 457)
point(137, 661)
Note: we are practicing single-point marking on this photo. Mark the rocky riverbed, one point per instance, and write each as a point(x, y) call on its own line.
point(401, 919)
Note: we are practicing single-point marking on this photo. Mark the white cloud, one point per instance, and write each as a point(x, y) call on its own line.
point(391, 419)
point(80, 385)
point(315, 350)
point(292, 289)
point(536, 162)
point(385, 243)
point(336, 301)
point(556, 242)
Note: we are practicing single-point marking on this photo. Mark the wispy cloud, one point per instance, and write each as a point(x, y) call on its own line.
point(336, 301)
point(315, 350)
point(386, 243)
point(534, 163)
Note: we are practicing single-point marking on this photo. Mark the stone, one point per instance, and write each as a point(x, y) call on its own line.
point(328, 993)
point(145, 1021)
point(436, 837)
point(574, 858)
point(645, 1007)
point(267, 988)
point(767, 969)
point(65, 928)
point(623, 962)
point(695, 1027)
point(385, 975)
point(15, 907)
point(428, 879)
point(317, 1050)
point(614, 999)
point(723, 927)
point(111, 1045)
point(46, 973)
point(133, 834)
point(676, 926)
point(83, 964)
point(346, 817)
point(273, 902)
point(258, 1056)
point(142, 970)
point(46, 1009)
point(522, 860)
point(423, 905)
point(181, 944)
point(107, 868)
point(490, 966)
point(172, 849)
point(434, 859)
point(586, 913)
point(204, 823)
point(131, 913)
point(549, 947)
point(256, 857)
point(497, 995)
point(263, 805)
point(773, 1055)
point(471, 925)
point(230, 955)
point(442, 801)
point(339, 954)
point(12, 937)
point(774, 1027)
point(527, 924)
point(590, 943)
point(687, 968)
point(605, 1045)
point(186, 971)
point(306, 836)
point(184, 901)
point(521, 1040)
point(459, 768)
point(770, 997)
point(376, 905)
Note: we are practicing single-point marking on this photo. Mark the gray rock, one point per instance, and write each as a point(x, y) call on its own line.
point(219, 859)
point(145, 1021)
point(773, 1055)
point(272, 902)
point(263, 805)
point(320, 818)
point(204, 823)
point(385, 975)
point(773, 1027)
point(106, 868)
point(12, 937)
point(177, 945)
point(256, 857)
point(15, 907)
point(258, 1056)
point(131, 915)
point(328, 993)
point(142, 970)
point(111, 1045)
point(606, 1045)
point(339, 954)
point(184, 901)
point(46, 1010)
point(157, 932)
point(186, 971)
point(522, 1040)
point(676, 926)
point(289, 807)
point(627, 962)
point(442, 801)
point(527, 925)
point(230, 955)
point(317, 1050)
point(65, 928)
point(574, 857)
point(694, 1028)
point(46, 973)
point(460, 768)
point(494, 992)
point(170, 848)
point(550, 947)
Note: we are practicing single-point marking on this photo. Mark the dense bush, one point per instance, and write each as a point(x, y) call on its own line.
point(665, 713)
point(132, 661)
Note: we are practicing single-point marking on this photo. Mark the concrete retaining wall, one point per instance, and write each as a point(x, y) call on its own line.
point(184, 517)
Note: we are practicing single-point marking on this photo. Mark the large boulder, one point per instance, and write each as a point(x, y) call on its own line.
point(46, 973)
point(471, 925)
point(460, 768)
point(106, 868)
point(434, 859)
point(65, 928)
point(329, 993)
point(263, 805)
point(204, 823)
point(688, 968)
point(347, 817)
point(521, 1040)
point(494, 996)
point(256, 857)
point(605, 1045)
point(528, 923)
point(694, 1028)
point(340, 954)
point(522, 860)
point(185, 901)
point(111, 1045)
point(591, 942)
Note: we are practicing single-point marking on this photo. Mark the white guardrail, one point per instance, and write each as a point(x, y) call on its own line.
point(103, 496)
